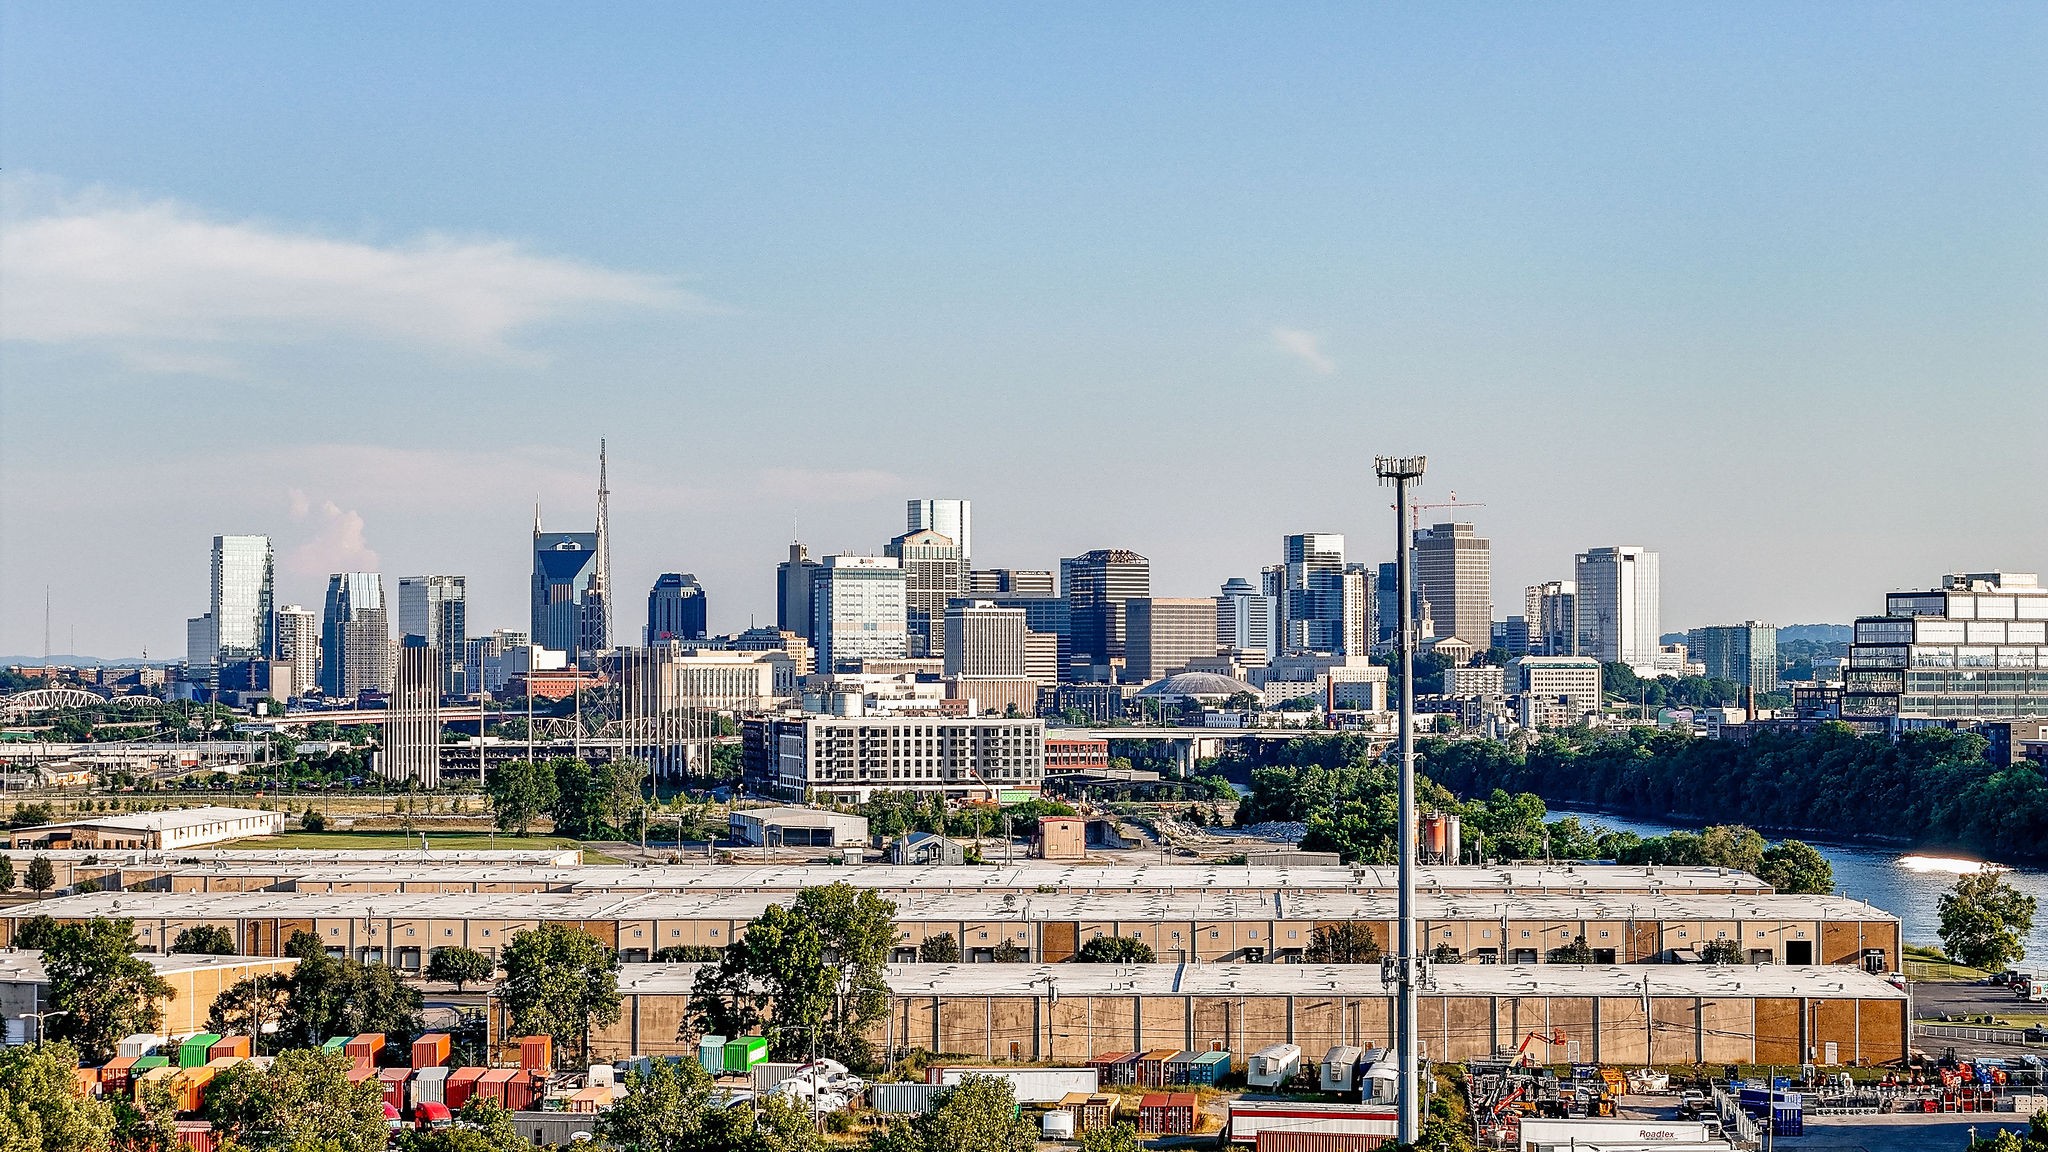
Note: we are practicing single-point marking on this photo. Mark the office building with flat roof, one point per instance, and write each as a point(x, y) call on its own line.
point(932, 575)
point(1746, 653)
point(1615, 606)
point(242, 598)
point(859, 611)
point(1096, 585)
point(676, 609)
point(1162, 634)
point(434, 608)
point(1976, 648)
point(1552, 617)
point(1454, 568)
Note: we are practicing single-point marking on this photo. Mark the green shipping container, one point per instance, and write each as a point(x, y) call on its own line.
point(192, 1053)
point(145, 1063)
point(742, 1054)
point(335, 1045)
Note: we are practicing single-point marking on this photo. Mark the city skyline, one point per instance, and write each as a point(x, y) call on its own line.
point(1672, 275)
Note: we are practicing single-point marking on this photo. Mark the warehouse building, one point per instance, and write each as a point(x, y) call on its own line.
point(195, 983)
point(250, 867)
point(1183, 927)
point(177, 828)
point(1072, 1013)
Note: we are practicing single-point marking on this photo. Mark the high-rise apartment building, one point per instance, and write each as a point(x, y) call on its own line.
point(1244, 618)
point(1454, 569)
point(1357, 610)
point(202, 645)
point(1746, 653)
point(297, 634)
point(676, 609)
point(241, 602)
point(1615, 606)
point(1552, 615)
point(1975, 648)
point(435, 609)
point(355, 639)
point(793, 592)
point(984, 640)
point(1010, 582)
point(1161, 634)
point(859, 611)
point(1096, 585)
point(932, 576)
point(953, 519)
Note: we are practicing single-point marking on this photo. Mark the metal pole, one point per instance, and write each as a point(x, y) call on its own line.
point(1402, 472)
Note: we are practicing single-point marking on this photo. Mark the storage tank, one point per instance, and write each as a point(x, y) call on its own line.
point(1057, 1124)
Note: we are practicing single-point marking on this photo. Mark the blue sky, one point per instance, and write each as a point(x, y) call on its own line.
point(1762, 287)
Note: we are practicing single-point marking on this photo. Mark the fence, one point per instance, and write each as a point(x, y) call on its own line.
point(2015, 1036)
point(1735, 1121)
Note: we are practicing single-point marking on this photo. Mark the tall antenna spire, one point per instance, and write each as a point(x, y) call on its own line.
point(600, 580)
point(536, 515)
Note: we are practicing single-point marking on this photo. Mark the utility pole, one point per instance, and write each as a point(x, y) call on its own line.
point(1402, 472)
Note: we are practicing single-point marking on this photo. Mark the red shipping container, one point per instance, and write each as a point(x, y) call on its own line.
point(394, 1080)
point(114, 1076)
point(461, 1086)
point(230, 1046)
point(1166, 1114)
point(432, 1050)
point(199, 1134)
point(537, 1052)
point(1281, 1140)
point(491, 1086)
point(366, 1046)
point(524, 1090)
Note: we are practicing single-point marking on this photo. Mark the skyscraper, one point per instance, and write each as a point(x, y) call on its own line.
point(1096, 585)
point(355, 641)
point(1746, 653)
point(434, 608)
point(571, 598)
point(241, 602)
point(793, 592)
point(1163, 633)
point(676, 609)
point(1244, 618)
point(1311, 607)
point(983, 640)
point(1615, 606)
point(953, 519)
point(1454, 567)
point(858, 611)
point(1358, 610)
point(412, 731)
point(297, 632)
point(932, 575)
point(1550, 608)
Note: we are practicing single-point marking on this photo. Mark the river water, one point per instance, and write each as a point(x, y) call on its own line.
point(1901, 882)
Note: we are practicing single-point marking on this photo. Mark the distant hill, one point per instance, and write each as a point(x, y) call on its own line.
point(1816, 634)
point(79, 662)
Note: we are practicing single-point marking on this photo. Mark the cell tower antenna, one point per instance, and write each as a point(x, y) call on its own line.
point(601, 580)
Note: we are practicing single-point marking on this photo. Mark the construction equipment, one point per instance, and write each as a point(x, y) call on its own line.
point(1522, 1058)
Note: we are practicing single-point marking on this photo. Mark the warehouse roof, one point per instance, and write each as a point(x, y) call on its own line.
point(1677, 980)
point(1517, 878)
point(159, 821)
point(1095, 906)
point(26, 967)
point(220, 858)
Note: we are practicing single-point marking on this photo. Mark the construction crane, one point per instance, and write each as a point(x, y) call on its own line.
point(1415, 510)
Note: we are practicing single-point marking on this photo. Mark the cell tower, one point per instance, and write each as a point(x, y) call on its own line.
point(600, 580)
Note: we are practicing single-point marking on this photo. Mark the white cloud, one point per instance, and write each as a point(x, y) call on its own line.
point(1306, 347)
point(336, 543)
point(165, 288)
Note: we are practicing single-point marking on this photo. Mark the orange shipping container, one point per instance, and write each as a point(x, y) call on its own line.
point(491, 1086)
point(432, 1050)
point(461, 1086)
point(537, 1052)
point(230, 1046)
point(88, 1081)
point(114, 1076)
point(366, 1046)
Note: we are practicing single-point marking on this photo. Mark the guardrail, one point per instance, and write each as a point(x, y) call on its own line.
point(1735, 1121)
point(1976, 1035)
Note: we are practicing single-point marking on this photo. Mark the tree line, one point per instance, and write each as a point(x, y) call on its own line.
point(585, 801)
point(1932, 786)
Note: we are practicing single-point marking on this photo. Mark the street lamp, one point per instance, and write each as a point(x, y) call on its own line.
point(1402, 472)
point(39, 1017)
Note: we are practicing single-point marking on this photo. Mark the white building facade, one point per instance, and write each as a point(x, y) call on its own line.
point(1616, 606)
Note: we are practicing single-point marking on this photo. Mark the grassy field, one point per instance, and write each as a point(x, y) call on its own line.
point(1926, 963)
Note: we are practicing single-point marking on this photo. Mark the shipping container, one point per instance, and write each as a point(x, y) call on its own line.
point(1272, 1066)
point(432, 1050)
point(1152, 1067)
point(1031, 1085)
point(1091, 1110)
point(146, 1080)
point(767, 1076)
point(711, 1053)
point(537, 1052)
point(1167, 1114)
point(394, 1080)
point(114, 1075)
point(1247, 1118)
point(140, 1044)
point(430, 1085)
point(368, 1046)
point(1116, 1069)
point(1292, 1140)
point(231, 1046)
point(900, 1099)
point(743, 1053)
point(491, 1085)
point(335, 1044)
point(88, 1080)
point(461, 1086)
point(192, 1053)
point(189, 1086)
point(1057, 1124)
point(199, 1134)
point(524, 1089)
point(145, 1063)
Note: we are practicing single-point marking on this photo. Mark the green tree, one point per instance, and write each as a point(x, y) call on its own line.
point(688, 954)
point(560, 981)
point(36, 932)
point(2034, 1139)
point(816, 968)
point(481, 1125)
point(205, 940)
point(1115, 950)
point(1732, 846)
point(6, 873)
point(1008, 952)
point(335, 996)
point(302, 1101)
point(148, 1122)
point(1576, 952)
point(939, 949)
point(1985, 921)
point(1117, 1137)
point(41, 876)
point(977, 1115)
point(1347, 943)
point(460, 967)
point(661, 1111)
point(1721, 952)
point(1798, 867)
point(251, 1005)
point(41, 1106)
point(520, 792)
point(104, 992)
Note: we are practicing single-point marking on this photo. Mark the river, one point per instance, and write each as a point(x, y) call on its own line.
point(1903, 883)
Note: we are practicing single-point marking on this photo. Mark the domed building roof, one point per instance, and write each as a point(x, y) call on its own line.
point(1196, 686)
